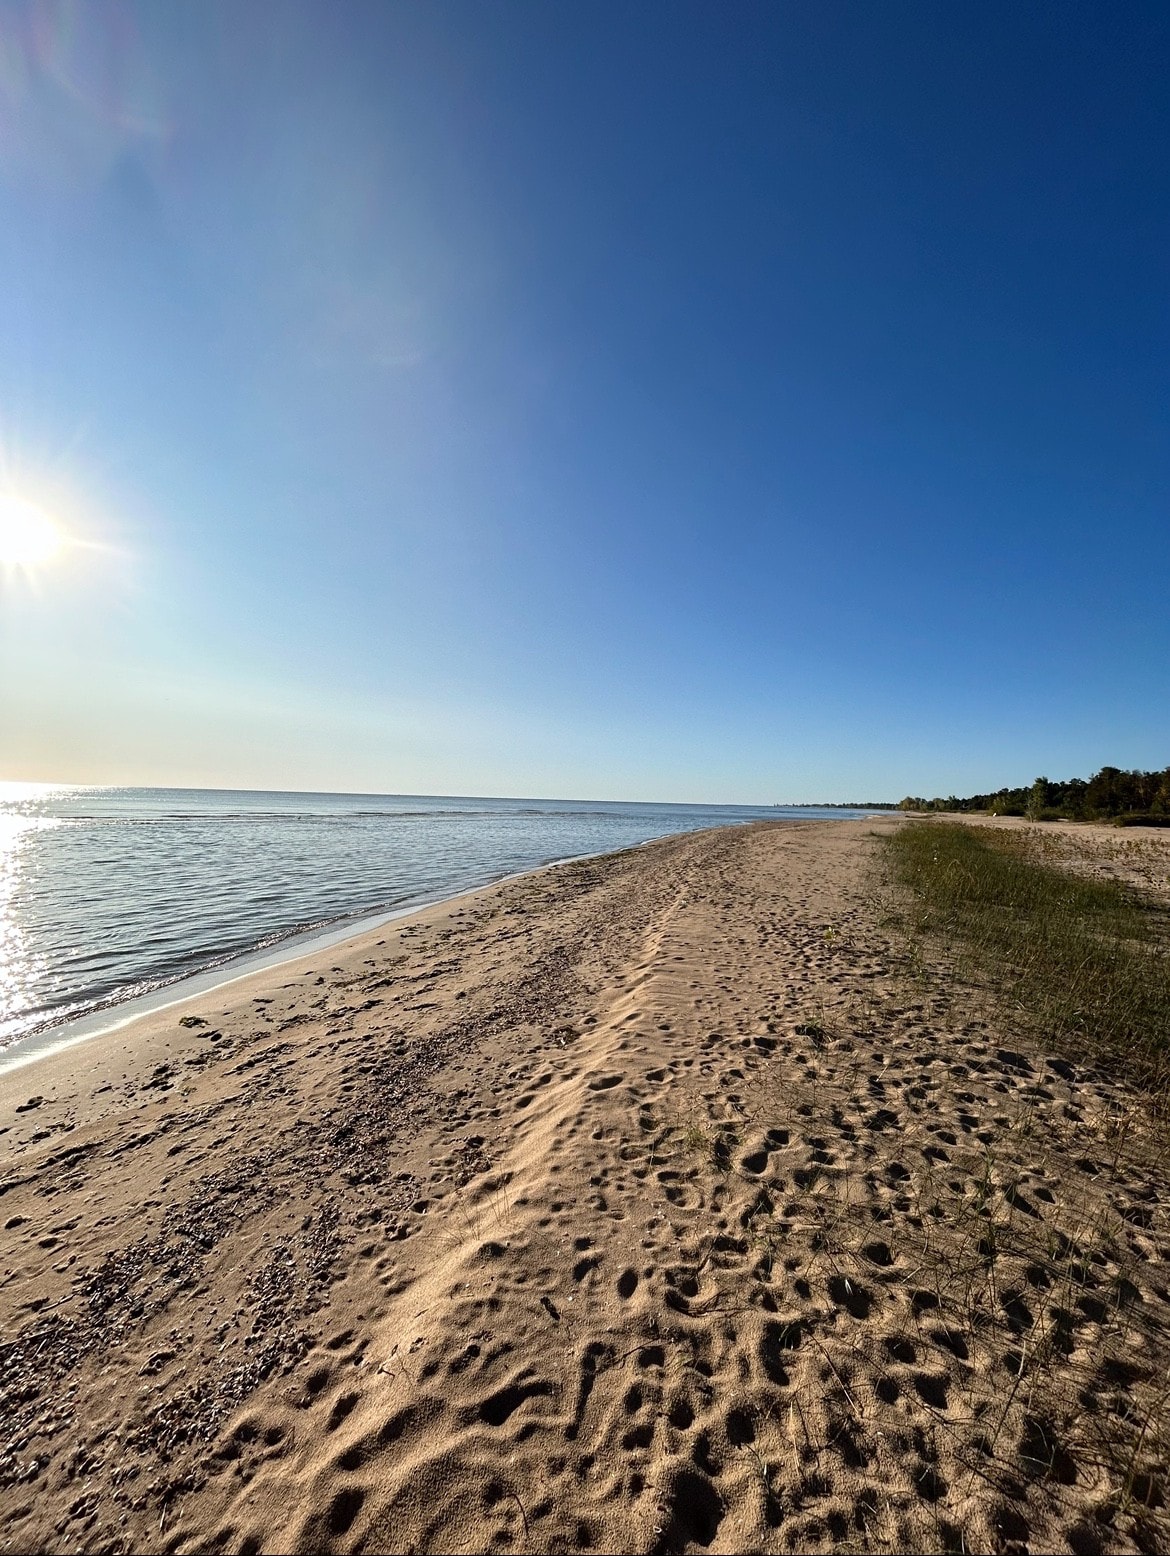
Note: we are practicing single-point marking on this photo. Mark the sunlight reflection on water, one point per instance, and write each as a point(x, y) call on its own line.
point(21, 970)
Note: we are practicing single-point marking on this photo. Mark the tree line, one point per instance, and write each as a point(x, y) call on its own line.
point(1129, 798)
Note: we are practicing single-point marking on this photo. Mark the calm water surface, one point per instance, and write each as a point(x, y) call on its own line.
point(107, 894)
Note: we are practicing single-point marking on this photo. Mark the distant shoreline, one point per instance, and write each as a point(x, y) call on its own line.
point(139, 891)
point(55, 1035)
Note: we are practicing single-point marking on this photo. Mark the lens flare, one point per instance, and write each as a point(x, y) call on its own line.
point(28, 536)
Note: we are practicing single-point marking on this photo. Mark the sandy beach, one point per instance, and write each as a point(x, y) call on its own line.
point(643, 1203)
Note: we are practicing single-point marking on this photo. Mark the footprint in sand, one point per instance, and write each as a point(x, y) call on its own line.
point(606, 1082)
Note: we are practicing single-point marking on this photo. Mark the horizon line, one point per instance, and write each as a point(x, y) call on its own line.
point(40, 783)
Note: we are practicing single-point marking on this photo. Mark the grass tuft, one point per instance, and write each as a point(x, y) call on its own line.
point(1085, 962)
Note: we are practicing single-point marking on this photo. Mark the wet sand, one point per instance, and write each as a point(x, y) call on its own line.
point(644, 1203)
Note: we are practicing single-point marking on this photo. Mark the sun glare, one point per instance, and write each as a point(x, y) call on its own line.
point(28, 536)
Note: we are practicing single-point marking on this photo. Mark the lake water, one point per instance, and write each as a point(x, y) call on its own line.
point(108, 894)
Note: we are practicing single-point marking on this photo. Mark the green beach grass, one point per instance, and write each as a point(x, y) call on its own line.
point(1082, 963)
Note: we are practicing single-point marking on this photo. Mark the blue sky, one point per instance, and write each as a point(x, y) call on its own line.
point(668, 401)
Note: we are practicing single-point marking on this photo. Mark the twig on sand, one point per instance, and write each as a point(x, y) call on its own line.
point(837, 1375)
point(523, 1514)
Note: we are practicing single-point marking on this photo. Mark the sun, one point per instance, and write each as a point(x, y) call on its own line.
point(28, 536)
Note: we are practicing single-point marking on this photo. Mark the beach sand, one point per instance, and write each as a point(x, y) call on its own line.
point(643, 1203)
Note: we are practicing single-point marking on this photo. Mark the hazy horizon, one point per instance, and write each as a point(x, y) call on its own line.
point(10, 791)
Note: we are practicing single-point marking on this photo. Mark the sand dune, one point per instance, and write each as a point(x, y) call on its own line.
point(639, 1204)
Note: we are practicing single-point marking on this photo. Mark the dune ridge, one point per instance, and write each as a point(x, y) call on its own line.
point(639, 1204)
